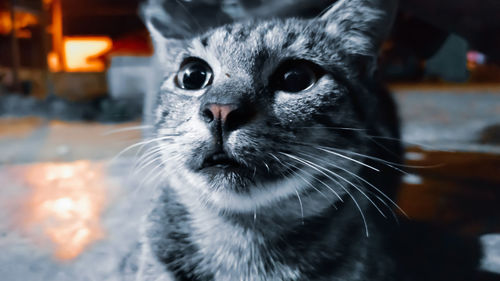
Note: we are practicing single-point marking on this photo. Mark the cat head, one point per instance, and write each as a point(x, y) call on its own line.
point(254, 112)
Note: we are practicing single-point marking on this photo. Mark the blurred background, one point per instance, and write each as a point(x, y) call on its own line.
point(73, 79)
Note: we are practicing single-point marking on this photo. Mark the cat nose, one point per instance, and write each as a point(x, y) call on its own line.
point(228, 116)
point(217, 111)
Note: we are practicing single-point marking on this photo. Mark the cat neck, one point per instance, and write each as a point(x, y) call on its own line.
point(251, 242)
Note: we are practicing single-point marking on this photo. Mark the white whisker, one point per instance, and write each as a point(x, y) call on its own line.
point(387, 163)
point(127, 129)
point(296, 191)
point(348, 158)
point(371, 185)
point(310, 184)
point(148, 154)
point(138, 144)
point(267, 166)
point(332, 128)
point(348, 193)
point(350, 183)
point(301, 206)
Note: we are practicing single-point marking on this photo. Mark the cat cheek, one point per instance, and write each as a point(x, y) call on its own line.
point(199, 127)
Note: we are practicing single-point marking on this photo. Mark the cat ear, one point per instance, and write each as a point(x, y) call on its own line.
point(361, 25)
point(171, 22)
point(167, 37)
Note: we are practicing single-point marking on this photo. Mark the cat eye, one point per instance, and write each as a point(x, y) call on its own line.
point(295, 76)
point(194, 74)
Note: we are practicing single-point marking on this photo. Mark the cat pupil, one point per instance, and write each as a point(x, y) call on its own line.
point(194, 76)
point(297, 79)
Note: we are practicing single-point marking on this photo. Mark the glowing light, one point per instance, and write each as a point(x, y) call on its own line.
point(21, 20)
point(53, 62)
point(475, 59)
point(82, 53)
point(67, 202)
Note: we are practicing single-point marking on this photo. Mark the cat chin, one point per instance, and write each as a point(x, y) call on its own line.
point(195, 188)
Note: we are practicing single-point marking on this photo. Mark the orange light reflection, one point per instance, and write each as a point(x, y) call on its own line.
point(67, 201)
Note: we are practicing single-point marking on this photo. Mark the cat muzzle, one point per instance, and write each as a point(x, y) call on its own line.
point(219, 160)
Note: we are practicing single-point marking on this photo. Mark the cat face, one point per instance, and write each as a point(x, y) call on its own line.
point(251, 113)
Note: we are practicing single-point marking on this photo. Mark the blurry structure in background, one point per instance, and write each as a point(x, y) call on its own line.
point(14, 25)
point(450, 61)
point(421, 52)
point(64, 47)
point(47, 52)
point(66, 203)
point(22, 20)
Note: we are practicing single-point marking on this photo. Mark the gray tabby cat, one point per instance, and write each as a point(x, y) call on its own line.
point(274, 142)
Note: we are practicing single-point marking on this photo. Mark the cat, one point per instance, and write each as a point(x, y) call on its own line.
point(277, 151)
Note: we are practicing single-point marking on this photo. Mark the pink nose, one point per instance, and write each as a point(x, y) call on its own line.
point(221, 111)
point(226, 117)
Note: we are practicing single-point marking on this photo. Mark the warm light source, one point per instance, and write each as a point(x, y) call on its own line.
point(53, 62)
point(82, 53)
point(67, 201)
point(22, 20)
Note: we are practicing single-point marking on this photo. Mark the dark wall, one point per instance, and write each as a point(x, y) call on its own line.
point(29, 49)
point(113, 18)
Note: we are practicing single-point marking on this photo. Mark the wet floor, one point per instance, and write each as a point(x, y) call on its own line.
point(68, 203)
point(68, 220)
point(459, 190)
point(32, 139)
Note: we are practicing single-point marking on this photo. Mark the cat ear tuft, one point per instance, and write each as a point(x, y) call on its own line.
point(362, 25)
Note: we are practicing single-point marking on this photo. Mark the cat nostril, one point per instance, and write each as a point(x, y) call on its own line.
point(207, 115)
point(239, 117)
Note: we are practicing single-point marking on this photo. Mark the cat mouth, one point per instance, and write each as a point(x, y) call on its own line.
point(219, 161)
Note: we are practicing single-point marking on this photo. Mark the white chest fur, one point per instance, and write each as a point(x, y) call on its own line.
point(232, 252)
